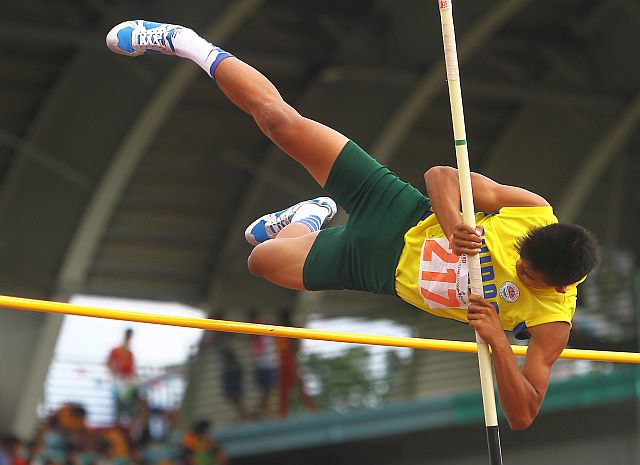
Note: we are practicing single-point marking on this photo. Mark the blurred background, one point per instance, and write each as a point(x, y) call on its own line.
point(127, 183)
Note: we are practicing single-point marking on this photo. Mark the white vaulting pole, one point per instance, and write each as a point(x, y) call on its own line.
point(468, 216)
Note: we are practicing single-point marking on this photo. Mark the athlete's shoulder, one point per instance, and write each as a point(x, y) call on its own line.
point(543, 211)
point(522, 218)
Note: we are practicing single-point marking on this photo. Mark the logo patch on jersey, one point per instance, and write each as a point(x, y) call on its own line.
point(509, 292)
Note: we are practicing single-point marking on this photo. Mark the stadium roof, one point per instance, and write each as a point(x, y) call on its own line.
point(136, 178)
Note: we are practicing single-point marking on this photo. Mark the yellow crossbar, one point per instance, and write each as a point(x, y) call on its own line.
point(46, 306)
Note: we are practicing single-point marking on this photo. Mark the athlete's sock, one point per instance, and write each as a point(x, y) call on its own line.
point(312, 215)
point(190, 45)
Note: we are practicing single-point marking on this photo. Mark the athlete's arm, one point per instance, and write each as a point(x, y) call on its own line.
point(521, 391)
point(489, 196)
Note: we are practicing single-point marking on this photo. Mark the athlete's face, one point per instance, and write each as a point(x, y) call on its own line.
point(532, 278)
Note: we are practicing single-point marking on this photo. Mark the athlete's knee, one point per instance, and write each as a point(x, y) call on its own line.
point(258, 261)
point(438, 172)
point(276, 118)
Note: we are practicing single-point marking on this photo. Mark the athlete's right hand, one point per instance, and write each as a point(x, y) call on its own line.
point(465, 239)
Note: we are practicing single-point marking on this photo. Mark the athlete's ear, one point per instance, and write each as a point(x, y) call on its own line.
point(562, 289)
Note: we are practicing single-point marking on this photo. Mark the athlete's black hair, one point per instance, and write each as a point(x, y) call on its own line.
point(564, 253)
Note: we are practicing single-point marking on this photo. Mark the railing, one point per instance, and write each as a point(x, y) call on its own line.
point(90, 384)
point(338, 376)
point(343, 377)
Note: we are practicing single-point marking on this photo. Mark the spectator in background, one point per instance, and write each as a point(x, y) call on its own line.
point(265, 364)
point(289, 378)
point(74, 456)
point(231, 372)
point(4, 455)
point(113, 445)
point(121, 365)
point(105, 451)
point(199, 447)
point(139, 428)
point(49, 442)
point(71, 420)
point(10, 451)
point(34, 448)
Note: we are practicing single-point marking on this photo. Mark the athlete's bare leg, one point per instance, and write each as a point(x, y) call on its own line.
point(310, 143)
point(281, 260)
point(315, 146)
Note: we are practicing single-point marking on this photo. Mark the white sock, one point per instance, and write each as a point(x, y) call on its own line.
point(190, 45)
point(312, 215)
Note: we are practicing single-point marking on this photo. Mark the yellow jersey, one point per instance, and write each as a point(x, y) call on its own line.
point(431, 277)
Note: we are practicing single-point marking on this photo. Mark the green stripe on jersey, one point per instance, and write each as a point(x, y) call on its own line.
point(461, 141)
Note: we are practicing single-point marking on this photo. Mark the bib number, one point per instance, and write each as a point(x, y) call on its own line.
point(444, 276)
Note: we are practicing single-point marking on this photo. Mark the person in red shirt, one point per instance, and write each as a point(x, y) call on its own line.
point(121, 364)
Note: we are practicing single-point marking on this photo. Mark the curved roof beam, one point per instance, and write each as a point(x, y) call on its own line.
point(598, 159)
point(100, 209)
point(57, 166)
point(430, 84)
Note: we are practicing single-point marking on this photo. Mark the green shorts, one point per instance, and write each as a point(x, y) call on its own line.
point(363, 254)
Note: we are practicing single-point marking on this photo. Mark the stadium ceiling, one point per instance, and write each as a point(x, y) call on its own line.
point(136, 178)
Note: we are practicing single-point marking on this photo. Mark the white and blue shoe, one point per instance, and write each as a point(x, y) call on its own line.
point(268, 226)
point(139, 37)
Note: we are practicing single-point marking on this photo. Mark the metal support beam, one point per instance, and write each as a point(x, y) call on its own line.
point(30, 33)
point(25, 420)
point(564, 62)
point(431, 83)
point(50, 162)
point(598, 159)
point(596, 16)
point(553, 96)
point(264, 174)
point(632, 8)
point(127, 158)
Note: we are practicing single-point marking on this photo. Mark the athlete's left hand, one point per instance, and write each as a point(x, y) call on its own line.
point(484, 319)
point(465, 239)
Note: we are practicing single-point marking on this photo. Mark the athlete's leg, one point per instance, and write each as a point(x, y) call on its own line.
point(312, 144)
point(281, 260)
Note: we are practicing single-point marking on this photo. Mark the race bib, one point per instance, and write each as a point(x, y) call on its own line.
point(444, 276)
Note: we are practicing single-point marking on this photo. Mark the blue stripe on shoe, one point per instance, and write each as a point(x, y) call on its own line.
point(259, 232)
point(124, 39)
point(150, 24)
point(170, 39)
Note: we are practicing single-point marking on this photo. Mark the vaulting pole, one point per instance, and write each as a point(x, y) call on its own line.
point(468, 216)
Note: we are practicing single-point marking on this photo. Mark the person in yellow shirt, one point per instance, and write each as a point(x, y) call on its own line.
point(398, 241)
point(199, 446)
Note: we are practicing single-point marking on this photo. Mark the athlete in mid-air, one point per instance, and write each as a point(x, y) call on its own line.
point(397, 241)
